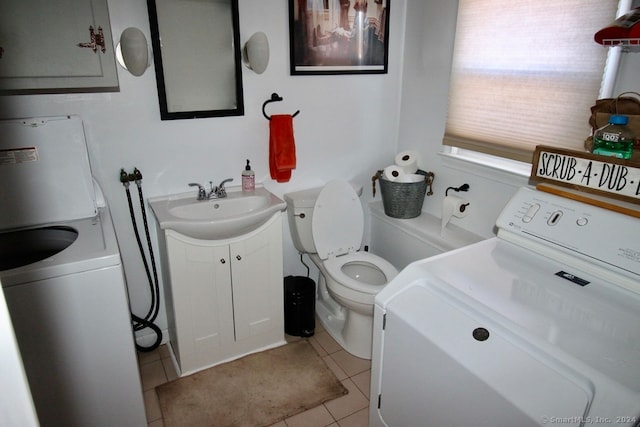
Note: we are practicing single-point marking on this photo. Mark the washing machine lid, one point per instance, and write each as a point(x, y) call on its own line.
point(568, 312)
point(338, 220)
point(45, 175)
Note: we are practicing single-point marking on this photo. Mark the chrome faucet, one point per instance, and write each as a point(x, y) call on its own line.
point(202, 193)
point(218, 192)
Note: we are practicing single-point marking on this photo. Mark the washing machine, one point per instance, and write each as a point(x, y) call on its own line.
point(537, 326)
point(63, 280)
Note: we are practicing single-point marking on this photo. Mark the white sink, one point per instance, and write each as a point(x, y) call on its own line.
point(237, 214)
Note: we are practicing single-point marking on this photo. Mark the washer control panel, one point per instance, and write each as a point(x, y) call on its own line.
point(583, 230)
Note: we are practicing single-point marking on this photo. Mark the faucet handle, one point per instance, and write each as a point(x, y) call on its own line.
point(224, 182)
point(222, 192)
point(202, 193)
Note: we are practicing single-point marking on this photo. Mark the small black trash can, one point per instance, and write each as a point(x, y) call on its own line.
point(299, 306)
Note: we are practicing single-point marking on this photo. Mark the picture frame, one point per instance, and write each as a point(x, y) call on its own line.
point(338, 36)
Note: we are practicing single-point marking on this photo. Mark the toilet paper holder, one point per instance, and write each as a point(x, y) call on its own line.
point(461, 208)
point(463, 187)
point(454, 206)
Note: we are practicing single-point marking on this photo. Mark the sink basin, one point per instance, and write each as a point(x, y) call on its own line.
point(237, 214)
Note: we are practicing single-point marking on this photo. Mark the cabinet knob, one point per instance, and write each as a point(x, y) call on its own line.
point(223, 261)
point(238, 257)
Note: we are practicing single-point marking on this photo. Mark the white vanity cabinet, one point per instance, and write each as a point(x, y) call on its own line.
point(40, 52)
point(224, 298)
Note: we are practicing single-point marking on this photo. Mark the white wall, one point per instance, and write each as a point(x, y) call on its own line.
point(347, 127)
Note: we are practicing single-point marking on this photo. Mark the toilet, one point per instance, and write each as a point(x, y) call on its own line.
point(328, 224)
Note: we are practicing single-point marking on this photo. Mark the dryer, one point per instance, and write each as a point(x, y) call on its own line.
point(63, 280)
point(537, 326)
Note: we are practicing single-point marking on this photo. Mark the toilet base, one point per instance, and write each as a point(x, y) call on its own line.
point(353, 331)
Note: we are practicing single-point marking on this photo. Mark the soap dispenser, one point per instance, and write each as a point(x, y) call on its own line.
point(248, 179)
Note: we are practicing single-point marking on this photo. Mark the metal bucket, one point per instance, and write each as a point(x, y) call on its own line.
point(404, 199)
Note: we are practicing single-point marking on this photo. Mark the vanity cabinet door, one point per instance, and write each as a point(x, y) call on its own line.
point(202, 300)
point(257, 283)
point(39, 50)
point(224, 298)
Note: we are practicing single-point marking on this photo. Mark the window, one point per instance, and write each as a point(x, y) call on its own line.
point(525, 73)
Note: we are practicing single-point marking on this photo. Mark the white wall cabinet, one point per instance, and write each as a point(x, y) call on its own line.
point(39, 50)
point(224, 298)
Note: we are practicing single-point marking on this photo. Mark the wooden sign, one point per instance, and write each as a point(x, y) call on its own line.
point(607, 176)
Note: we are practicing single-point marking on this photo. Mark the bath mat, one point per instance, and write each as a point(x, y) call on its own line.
point(254, 391)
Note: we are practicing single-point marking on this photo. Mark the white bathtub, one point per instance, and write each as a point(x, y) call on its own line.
point(402, 241)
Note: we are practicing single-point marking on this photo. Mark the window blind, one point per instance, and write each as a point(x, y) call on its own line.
point(525, 73)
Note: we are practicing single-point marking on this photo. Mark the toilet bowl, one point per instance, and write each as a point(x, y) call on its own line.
point(328, 225)
point(356, 278)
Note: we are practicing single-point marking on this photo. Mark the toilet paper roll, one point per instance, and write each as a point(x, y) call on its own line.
point(410, 177)
point(392, 173)
point(408, 161)
point(453, 206)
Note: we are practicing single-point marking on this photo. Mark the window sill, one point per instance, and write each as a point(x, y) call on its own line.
point(486, 166)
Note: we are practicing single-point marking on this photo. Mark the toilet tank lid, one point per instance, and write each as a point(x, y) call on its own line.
point(303, 198)
point(307, 198)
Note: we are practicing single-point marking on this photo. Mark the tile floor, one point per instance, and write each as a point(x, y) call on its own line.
point(351, 410)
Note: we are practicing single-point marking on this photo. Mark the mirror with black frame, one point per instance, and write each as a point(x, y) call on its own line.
point(196, 51)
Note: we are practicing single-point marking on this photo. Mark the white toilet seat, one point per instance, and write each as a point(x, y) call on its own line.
point(352, 288)
point(337, 228)
point(337, 225)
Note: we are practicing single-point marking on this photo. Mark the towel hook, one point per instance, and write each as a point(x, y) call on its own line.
point(274, 98)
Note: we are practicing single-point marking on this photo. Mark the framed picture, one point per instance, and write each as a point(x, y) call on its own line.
point(339, 36)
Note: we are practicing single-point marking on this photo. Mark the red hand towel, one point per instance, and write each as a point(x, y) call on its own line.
point(282, 147)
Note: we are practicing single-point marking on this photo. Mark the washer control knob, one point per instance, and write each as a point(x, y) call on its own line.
point(582, 221)
point(531, 212)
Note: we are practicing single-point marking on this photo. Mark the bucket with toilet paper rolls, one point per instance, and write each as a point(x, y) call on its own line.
point(403, 186)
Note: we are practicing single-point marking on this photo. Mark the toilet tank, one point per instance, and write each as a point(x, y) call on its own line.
point(403, 241)
point(300, 213)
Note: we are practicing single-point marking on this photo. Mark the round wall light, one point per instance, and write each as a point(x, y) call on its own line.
point(255, 53)
point(132, 51)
